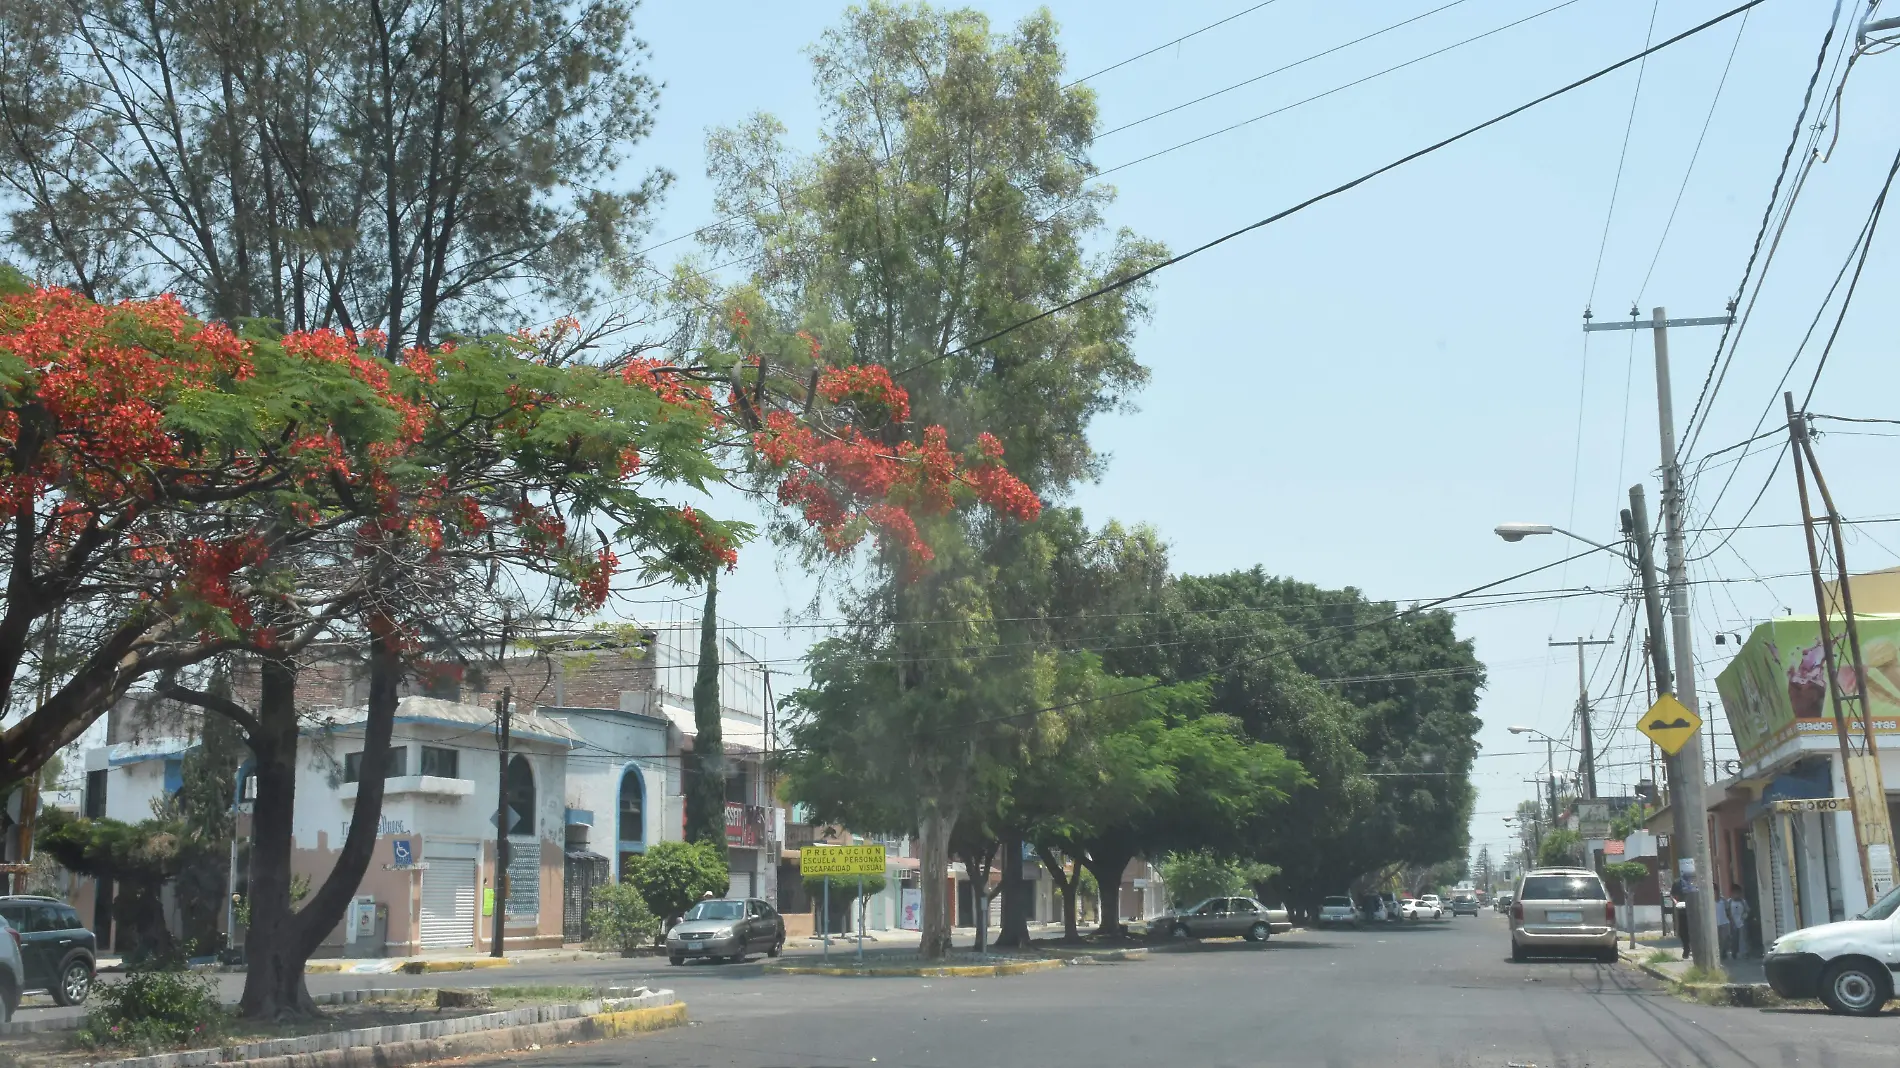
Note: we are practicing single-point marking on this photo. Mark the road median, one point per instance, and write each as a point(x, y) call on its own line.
point(914, 968)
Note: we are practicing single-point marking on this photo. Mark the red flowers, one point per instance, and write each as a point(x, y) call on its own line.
point(845, 483)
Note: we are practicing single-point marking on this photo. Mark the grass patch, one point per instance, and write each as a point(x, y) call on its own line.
point(543, 993)
point(1697, 974)
point(1659, 956)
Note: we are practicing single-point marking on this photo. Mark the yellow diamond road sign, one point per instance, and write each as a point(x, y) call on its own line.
point(1669, 723)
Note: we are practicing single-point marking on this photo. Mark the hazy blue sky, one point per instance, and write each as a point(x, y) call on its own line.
point(1358, 395)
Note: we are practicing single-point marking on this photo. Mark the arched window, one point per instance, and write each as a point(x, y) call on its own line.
point(520, 797)
point(632, 829)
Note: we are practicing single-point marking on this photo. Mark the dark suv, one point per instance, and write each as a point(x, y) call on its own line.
point(55, 948)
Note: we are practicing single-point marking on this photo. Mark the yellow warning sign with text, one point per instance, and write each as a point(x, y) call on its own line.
point(1669, 723)
point(841, 860)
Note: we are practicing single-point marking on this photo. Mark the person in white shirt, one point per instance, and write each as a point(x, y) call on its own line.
point(1734, 913)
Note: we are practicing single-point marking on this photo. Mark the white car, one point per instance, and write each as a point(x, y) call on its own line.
point(1850, 965)
point(1424, 908)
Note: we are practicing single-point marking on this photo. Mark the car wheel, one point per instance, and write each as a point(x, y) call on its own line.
point(676, 959)
point(1607, 955)
point(1259, 932)
point(1180, 930)
point(75, 982)
point(1517, 952)
point(777, 948)
point(1853, 988)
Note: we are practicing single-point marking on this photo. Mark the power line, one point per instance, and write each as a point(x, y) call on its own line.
point(1693, 156)
point(1761, 233)
point(1616, 184)
point(1168, 44)
point(1342, 188)
point(1277, 70)
point(1873, 223)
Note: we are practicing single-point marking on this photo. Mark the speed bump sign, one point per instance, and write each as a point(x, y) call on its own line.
point(1669, 723)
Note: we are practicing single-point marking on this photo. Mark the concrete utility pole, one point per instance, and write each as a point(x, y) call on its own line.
point(1589, 751)
point(1685, 767)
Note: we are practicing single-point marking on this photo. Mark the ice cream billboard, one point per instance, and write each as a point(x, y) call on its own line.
point(1776, 687)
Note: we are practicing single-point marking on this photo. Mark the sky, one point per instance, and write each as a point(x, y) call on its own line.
point(1357, 395)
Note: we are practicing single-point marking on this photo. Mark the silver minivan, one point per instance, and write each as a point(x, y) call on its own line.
point(1561, 911)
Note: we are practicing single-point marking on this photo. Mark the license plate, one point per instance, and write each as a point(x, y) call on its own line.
point(1563, 917)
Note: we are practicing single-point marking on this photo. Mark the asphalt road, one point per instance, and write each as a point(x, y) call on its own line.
point(1441, 993)
point(1429, 994)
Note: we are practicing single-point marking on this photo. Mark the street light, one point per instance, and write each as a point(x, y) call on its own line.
point(1520, 531)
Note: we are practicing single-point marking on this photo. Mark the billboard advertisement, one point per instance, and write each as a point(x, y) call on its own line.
point(1776, 688)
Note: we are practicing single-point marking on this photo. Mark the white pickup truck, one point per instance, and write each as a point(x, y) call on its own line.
point(1850, 965)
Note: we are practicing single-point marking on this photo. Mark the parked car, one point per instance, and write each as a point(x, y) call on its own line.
point(1394, 909)
point(1562, 910)
point(1423, 908)
point(12, 971)
point(1225, 917)
point(1505, 901)
point(1372, 908)
point(726, 929)
point(1464, 905)
point(1850, 964)
point(1337, 912)
point(57, 952)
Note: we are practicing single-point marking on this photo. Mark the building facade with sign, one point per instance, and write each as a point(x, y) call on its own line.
point(1798, 858)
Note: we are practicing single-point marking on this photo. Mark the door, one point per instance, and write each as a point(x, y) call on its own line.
point(1225, 922)
point(39, 938)
point(758, 933)
point(448, 904)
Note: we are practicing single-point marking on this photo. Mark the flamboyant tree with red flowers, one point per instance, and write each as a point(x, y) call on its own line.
point(184, 491)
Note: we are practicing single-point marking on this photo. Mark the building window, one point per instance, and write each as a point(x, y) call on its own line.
point(736, 784)
point(95, 795)
point(398, 764)
point(441, 762)
point(631, 831)
point(520, 797)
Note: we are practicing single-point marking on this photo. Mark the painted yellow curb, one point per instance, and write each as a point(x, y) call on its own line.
point(951, 971)
point(419, 967)
point(638, 1021)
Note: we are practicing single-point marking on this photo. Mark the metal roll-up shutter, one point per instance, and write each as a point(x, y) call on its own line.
point(448, 904)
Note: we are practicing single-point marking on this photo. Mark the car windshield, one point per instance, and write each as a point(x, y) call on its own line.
point(717, 910)
point(1339, 902)
point(1562, 888)
point(1883, 908)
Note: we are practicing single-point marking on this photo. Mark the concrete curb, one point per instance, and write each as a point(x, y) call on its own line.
point(957, 971)
point(417, 1043)
point(1737, 995)
point(409, 967)
point(1079, 955)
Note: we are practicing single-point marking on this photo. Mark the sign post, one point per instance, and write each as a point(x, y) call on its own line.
point(841, 860)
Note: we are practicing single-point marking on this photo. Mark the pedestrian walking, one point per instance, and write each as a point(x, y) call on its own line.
point(1722, 939)
point(1735, 915)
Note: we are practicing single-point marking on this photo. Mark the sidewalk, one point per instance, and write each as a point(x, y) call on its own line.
point(1744, 983)
point(446, 961)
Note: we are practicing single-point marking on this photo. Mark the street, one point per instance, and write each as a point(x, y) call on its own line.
point(1441, 993)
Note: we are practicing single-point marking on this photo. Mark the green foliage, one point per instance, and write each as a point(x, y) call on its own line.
point(705, 770)
point(1626, 873)
point(1199, 874)
point(1401, 699)
point(670, 876)
point(138, 857)
point(1560, 848)
point(154, 1009)
point(843, 887)
point(1630, 820)
point(621, 920)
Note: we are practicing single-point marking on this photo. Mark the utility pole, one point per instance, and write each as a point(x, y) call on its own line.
point(1583, 719)
point(504, 713)
point(1685, 767)
point(1873, 833)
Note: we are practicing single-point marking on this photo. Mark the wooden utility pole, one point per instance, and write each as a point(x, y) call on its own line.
point(1867, 796)
point(504, 714)
point(1589, 752)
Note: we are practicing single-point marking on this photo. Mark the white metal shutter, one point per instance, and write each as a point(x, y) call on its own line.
point(448, 904)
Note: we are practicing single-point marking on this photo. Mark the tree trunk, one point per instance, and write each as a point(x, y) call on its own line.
point(933, 840)
point(1015, 889)
point(1068, 885)
point(706, 785)
point(280, 941)
point(1107, 869)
